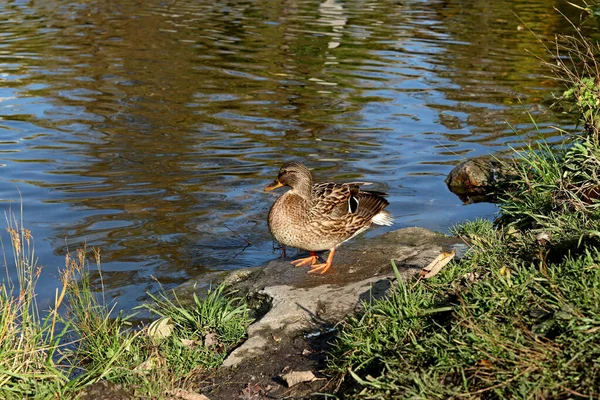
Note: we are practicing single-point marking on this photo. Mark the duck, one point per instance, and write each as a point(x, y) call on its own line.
point(321, 216)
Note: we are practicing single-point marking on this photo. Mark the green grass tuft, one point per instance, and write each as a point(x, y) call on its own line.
point(556, 197)
point(225, 316)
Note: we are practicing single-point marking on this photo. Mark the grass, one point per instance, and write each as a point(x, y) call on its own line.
point(224, 317)
point(486, 326)
point(27, 340)
point(555, 198)
point(58, 353)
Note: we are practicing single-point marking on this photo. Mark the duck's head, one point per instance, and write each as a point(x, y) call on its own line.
point(294, 175)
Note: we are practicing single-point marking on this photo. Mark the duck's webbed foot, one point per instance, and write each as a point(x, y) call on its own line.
point(322, 268)
point(302, 262)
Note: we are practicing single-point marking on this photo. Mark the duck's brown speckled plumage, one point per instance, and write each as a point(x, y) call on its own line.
point(322, 216)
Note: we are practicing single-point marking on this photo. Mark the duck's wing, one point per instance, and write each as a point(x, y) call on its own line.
point(337, 200)
point(371, 207)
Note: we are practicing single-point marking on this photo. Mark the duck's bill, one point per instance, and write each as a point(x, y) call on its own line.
point(273, 185)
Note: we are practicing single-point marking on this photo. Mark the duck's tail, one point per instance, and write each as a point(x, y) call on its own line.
point(371, 206)
point(383, 218)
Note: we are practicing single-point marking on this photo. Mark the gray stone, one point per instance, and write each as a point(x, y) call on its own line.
point(300, 302)
point(480, 178)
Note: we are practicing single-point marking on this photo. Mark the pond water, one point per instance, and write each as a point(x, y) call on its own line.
point(150, 128)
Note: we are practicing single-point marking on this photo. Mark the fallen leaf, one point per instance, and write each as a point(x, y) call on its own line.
point(145, 366)
point(471, 276)
point(161, 328)
point(542, 238)
point(184, 394)
point(189, 342)
point(152, 362)
point(251, 392)
point(211, 339)
point(436, 265)
point(296, 377)
point(306, 352)
point(512, 231)
point(277, 339)
point(485, 363)
point(505, 273)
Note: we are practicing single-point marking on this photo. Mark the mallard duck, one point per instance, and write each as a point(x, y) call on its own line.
point(321, 216)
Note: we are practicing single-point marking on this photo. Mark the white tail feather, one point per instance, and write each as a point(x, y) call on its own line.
point(383, 218)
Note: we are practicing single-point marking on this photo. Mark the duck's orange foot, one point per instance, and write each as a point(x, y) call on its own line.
point(302, 262)
point(322, 268)
point(319, 268)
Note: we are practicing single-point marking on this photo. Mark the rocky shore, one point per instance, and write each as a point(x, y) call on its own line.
point(300, 311)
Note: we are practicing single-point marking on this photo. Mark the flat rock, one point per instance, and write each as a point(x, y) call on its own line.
point(362, 270)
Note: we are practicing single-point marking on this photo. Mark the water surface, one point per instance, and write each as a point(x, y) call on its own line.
point(149, 128)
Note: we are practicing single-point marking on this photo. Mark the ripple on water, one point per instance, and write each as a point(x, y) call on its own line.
point(149, 129)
